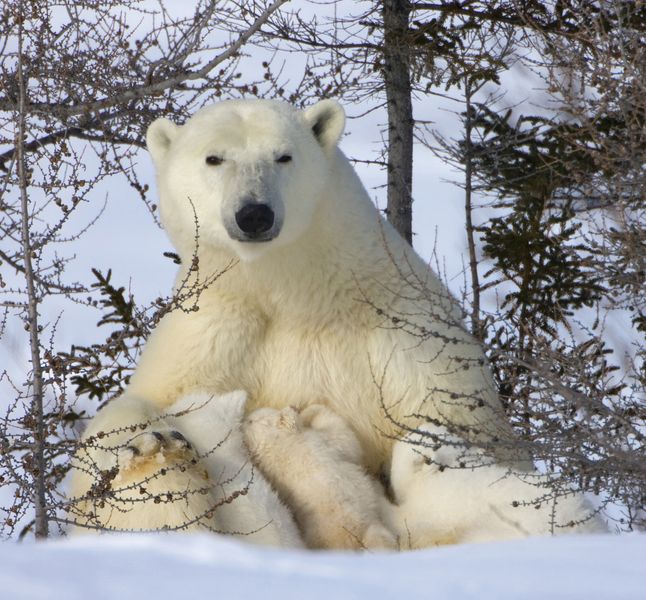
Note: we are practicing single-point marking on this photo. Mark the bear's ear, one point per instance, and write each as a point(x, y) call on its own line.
point(327, 120)
point(159, 136)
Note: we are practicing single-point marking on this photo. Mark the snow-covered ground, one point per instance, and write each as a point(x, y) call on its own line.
point(194, 567)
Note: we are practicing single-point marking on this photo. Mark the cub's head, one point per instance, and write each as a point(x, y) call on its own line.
point(250, 173)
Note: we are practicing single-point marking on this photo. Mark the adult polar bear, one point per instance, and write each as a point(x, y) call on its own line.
point(325, 301)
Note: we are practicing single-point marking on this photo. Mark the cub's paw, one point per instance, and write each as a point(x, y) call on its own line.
point(152, 450)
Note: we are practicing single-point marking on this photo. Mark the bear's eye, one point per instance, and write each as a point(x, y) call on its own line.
point(214, 161)
point(285, 158)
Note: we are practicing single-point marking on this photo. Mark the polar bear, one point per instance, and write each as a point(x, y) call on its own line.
point(209, 483)
point(293, 287)
point(313, 459)
point(448, 492)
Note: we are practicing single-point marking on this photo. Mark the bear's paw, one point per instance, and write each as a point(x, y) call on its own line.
point(153, 451)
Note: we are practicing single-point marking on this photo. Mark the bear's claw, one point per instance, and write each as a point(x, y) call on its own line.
point(158, 435)
point(156, 446)
point(178, 440)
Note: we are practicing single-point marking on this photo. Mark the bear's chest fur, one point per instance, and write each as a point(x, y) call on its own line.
point(286, 355)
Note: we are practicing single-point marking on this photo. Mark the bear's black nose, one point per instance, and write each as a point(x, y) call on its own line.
point(255, 219)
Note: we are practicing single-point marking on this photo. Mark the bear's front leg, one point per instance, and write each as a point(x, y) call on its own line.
point(212, 349)
point(134, 472)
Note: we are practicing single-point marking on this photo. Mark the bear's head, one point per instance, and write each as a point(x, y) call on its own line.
point(245, 175)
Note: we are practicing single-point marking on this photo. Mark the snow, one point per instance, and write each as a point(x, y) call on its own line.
point(205, 566)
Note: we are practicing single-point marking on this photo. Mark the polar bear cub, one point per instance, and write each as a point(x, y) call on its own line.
point(447, 493)
point(313, 459)
point(247, 506)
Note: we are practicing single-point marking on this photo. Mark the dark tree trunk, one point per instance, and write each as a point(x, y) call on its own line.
point(400, 115)
point(476, 323)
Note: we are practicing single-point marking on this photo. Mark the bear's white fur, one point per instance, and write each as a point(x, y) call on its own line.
point(142, 476)
point(448, 493)
point(212, 480)
point(257, 515)
point(313, 459)
point(330, 303)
